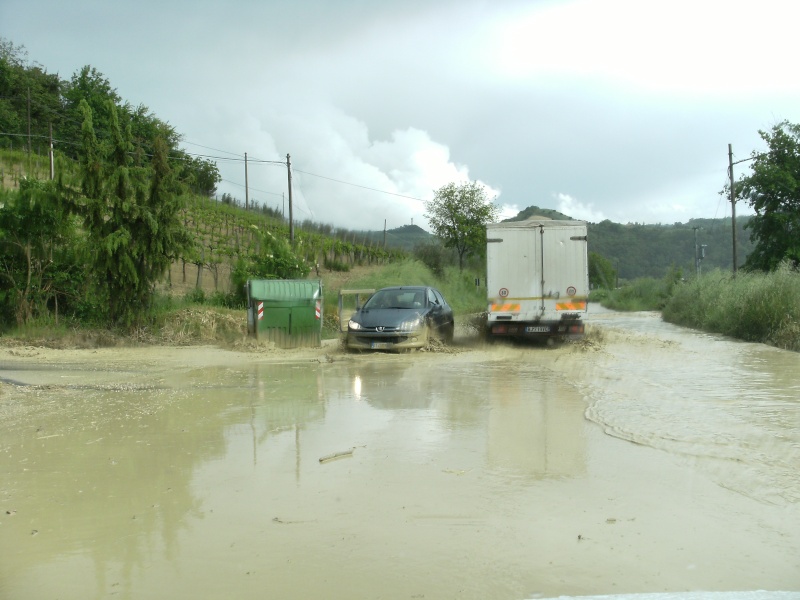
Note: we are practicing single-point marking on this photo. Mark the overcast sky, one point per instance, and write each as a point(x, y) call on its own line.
point(602, 109)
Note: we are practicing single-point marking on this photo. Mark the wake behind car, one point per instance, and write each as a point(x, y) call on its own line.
point(401, 318)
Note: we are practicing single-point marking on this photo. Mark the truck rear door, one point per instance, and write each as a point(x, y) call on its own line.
point(513, 259)
point(564, 267)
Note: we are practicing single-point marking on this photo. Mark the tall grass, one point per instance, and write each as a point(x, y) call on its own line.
point(458, 287)
point(755, 307)
point(645, 293)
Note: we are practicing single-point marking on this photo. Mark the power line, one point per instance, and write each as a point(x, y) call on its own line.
point(209, 148)
point(252, 188)
point(360, 186)
point(283, 163)
point(234, 158)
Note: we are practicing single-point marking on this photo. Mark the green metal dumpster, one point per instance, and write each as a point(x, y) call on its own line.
point(286, 312)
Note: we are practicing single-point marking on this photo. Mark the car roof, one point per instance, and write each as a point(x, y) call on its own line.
point(405, 287)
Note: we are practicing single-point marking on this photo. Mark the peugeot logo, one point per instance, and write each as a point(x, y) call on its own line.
point(379, 328)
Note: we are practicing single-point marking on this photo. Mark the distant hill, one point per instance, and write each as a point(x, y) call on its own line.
point(535, 211)
point(636, 250)
point(405, 237)
point(651, 250)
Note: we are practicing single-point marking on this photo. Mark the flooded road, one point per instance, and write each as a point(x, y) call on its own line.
point(653, 459)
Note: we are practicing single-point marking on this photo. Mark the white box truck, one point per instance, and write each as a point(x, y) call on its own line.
point(537, 279)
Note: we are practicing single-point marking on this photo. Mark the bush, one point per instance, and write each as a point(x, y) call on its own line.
point(195, 296)
point(335, 265)
point(230, 299)
point(599, 295)
point(645, 293)
point(434, 256)
point(756, 307)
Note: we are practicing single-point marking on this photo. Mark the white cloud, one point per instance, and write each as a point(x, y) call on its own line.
point(508, 211)
point(339, 174)
point(625, 103)
point(684, 47)
point(415, 163)
point(578, 210)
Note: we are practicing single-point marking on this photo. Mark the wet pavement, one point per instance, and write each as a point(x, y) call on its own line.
point(656, 459)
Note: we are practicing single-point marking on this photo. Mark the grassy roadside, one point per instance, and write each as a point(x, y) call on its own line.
point(194, 318)
point(754, 307)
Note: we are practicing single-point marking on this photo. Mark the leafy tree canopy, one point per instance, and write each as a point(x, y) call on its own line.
point(36, 237)
point(25, 86)
point(773, 191)
point(602, 273)
point(55, 104)
point(132, 218)
point(458, 214)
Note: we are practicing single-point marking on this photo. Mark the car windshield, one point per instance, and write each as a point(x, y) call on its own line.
point(396, 299)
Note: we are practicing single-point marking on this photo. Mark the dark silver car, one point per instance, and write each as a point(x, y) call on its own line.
point(401, 318)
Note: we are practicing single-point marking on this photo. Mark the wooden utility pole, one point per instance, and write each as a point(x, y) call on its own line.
point(29, 121)
point(291, 211)
point(733, 204)
point(246, 186)
point(384, 234)
point(52, 163)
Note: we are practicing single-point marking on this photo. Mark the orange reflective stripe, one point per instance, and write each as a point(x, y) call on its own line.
point(506, 307)
point(575, 305)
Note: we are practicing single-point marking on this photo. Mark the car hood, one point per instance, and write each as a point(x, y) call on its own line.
point(387, 317)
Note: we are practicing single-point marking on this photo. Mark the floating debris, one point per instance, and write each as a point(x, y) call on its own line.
point(336, 455)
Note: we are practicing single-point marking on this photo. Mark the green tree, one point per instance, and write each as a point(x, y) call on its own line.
point(202, 177)
point(601, 272)
point(36, 234)
point(146, 128)
point(131, 216)
point(435, 256)
point(26, 89)
point(458, 214)
point(773, 191)
point(92, 87)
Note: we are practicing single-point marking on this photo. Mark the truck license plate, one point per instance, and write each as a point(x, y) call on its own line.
point(537, 329)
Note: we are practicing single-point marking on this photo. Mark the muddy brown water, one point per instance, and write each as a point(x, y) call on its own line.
point(649, 459)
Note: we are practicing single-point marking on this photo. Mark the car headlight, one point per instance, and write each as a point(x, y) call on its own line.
point(354, 325)
point(411, 325)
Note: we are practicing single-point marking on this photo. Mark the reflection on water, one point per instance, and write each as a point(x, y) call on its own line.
point(95, 485)
point(106, 475)
point(117, 492)
point(472, 476)
point(533, 423)
point(533, 428)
